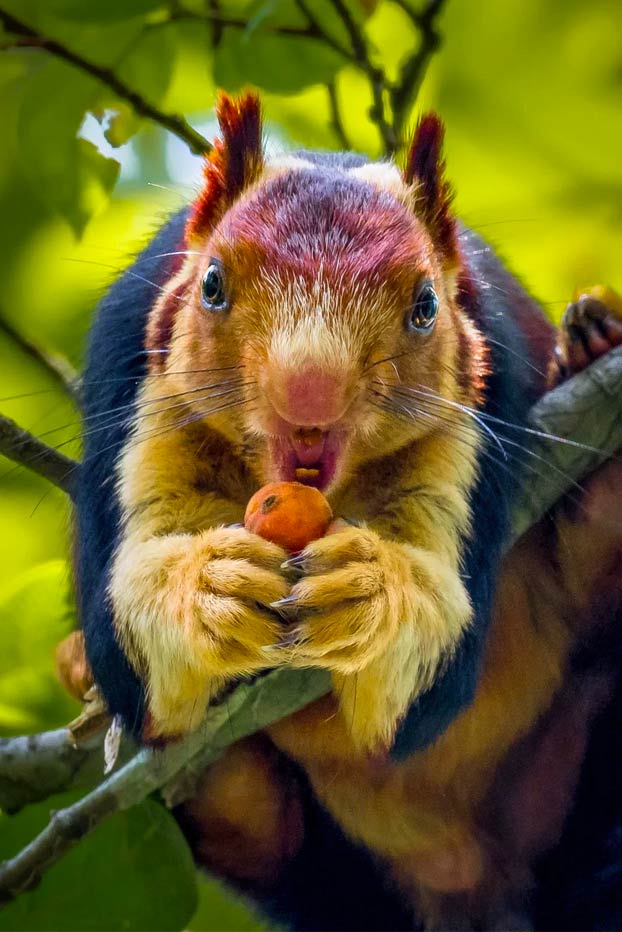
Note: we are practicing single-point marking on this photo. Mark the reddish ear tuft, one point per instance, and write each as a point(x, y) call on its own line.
point(234, 163)
point(425, 168)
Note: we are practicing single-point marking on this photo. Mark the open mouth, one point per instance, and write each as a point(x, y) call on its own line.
point(308, 455)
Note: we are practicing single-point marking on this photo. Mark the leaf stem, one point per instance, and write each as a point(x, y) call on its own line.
point(336, 119)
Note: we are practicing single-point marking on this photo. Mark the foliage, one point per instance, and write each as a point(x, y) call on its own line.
point(122, 877)
point(530, 94)
point(30, 697)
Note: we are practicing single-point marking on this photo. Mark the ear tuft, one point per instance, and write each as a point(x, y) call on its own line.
point(235, 162)
point(425, 170)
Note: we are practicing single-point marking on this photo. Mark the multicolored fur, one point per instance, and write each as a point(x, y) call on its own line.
point(323, 259)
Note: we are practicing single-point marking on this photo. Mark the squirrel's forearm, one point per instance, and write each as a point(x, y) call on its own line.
point(422, 528)
point(434, 613)
point(153, 591)
point(192, 611)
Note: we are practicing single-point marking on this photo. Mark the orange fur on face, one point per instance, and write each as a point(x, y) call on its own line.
point(328, 296)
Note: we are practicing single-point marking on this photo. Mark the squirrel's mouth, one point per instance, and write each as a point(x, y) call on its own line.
point(308, 455)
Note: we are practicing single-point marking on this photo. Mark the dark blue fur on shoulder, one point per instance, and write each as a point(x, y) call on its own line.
point(511, 390)
point(116, 365)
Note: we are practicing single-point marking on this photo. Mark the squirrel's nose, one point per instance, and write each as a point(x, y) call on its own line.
point(311, 397)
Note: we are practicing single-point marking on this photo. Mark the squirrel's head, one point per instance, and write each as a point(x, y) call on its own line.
point(315, 316)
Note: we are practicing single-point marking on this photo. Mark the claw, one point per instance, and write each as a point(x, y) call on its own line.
point(294, 566)
point(284, 603)
point(283, 614)
point(292, 638)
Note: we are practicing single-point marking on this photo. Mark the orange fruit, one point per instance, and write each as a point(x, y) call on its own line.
point(289, 514)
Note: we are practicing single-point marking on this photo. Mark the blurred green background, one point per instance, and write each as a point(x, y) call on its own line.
point(530, 91)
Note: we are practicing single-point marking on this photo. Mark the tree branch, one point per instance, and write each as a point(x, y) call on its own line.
point(172, 122)
point(251, 707)
point(57, 366)
point(35, 767)
point(574, 429)
point(413, 69)
point(24, 448)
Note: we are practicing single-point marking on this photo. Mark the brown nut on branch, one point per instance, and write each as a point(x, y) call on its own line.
point(289, 514)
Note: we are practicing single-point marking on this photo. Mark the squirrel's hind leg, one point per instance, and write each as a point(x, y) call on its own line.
point(245, 821)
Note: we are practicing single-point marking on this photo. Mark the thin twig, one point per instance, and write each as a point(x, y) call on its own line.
point(56, 365)
point(376, 76)
point(412, 72)
point(335, 116)
point(218, 22)
point(172, 122)
point(24, 448)
point(315, 30)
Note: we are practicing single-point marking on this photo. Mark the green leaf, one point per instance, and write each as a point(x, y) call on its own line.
point(103, 10)
point(134, 872)
point(34, 617)
point(67, 174)
point(219, 909)
point(123, 124)
point(147, 68)
point(280, 64)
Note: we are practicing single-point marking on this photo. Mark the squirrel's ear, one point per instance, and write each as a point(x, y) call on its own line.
point(235, 162)
point(433, 195)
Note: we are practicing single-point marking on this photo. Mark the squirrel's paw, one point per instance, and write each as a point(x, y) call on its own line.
point(214, 624)
point(347, 607)
point(237, 578)
point(590, 327)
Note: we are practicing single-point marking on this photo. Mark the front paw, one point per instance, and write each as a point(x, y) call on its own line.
point(238, 578)
point(356, 590)
point(197, 609)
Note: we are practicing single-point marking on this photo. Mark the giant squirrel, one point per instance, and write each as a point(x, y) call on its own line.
point(326, 318)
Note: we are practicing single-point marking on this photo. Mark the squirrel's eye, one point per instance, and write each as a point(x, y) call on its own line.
point(424, 310)
point(213, 294)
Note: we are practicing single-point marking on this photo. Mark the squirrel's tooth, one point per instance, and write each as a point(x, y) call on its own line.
point(302, 473)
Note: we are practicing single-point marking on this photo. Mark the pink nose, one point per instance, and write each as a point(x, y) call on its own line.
point(312, 398)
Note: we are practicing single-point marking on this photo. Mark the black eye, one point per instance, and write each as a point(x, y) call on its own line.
point(424, 310)
point(213, 294)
